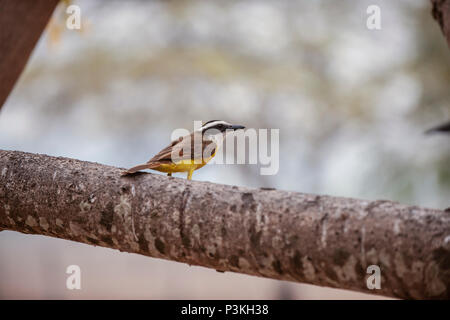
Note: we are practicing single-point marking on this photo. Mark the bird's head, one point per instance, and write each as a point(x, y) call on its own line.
point(218, 128)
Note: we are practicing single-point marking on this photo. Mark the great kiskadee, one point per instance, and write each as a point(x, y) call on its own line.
point(190, 152)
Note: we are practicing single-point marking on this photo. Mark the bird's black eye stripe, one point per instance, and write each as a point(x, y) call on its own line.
point(220, 127)
point(223, 127)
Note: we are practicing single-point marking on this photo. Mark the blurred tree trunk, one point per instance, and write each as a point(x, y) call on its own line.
point(441, 13)
point(321, 240)
point(21, 25)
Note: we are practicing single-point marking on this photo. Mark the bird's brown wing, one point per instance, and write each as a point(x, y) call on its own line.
point(179, 147)
point(165, 155)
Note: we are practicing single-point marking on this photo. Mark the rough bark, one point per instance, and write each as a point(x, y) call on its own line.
point(21, 25)
point(322, 240)
point(441, 13)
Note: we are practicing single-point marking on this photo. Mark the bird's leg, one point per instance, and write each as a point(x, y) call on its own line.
point(169, 174)
point(189, 176)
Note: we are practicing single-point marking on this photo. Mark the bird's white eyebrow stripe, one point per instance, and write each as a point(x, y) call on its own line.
point(212, 124)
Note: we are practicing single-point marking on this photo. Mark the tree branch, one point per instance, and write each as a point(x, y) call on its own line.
point(321, 240)
point(21, 25)
point(441, 13)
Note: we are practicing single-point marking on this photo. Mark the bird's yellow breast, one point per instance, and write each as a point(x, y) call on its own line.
point(183, 165)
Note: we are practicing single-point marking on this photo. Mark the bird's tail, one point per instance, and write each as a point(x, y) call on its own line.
point(136, 169)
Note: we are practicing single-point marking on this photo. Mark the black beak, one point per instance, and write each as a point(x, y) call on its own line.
point(237, 127)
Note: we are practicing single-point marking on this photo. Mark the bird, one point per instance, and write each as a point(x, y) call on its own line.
point(191, 152)
point(443, 128)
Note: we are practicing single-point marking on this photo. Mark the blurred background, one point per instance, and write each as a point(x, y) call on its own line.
point(351, 105)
